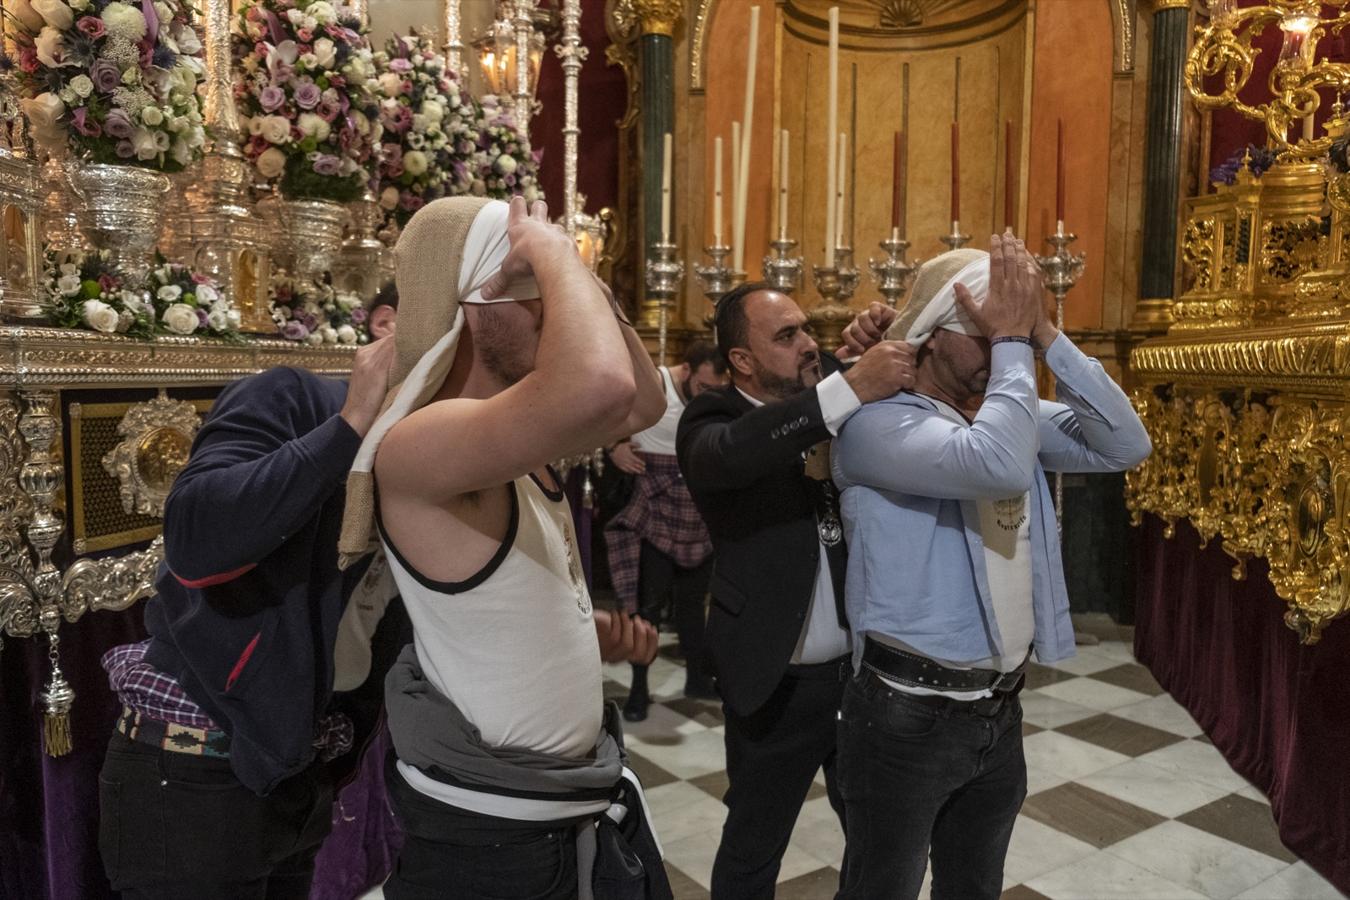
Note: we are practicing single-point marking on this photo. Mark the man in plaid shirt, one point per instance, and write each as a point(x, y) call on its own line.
point(659, 549)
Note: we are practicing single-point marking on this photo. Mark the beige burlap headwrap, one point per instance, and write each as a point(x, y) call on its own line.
point(932, 300)
point(443, 257)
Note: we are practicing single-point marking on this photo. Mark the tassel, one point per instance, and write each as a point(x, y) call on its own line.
point(57, 699)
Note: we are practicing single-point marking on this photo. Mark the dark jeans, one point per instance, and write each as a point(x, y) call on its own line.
point(920, 779)
point(174, 825)
point(449, 852)
point(773, 755)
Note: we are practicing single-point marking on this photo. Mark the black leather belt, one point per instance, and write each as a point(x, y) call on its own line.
point(922, 672)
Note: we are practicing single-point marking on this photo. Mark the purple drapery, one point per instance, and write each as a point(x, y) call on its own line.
point(1273, 707)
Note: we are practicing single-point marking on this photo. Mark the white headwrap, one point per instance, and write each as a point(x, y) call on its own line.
point(932, 300)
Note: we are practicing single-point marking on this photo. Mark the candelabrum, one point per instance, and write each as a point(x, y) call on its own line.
point(836, 285)
point(893, 273)
point(717, 278)
point(956, 240)
point(664, 274)
point(1060, 271)
point(783, 270)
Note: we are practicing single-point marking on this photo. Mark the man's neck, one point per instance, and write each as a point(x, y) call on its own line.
point(468, 378)
point(964, 402)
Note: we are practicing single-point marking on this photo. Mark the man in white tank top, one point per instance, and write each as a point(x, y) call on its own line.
point(658, 547)
point(480, 538)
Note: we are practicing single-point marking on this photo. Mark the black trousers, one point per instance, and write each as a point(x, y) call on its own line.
point(662, 580)
point(943, 779)
point(449, 852)
point(772, 758)
point(174, 825)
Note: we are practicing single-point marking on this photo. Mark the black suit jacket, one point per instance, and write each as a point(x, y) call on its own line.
point(744, 467)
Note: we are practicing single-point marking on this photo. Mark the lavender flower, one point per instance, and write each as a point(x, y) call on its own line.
point(271, 98)
point(307, 95)
point(294, 331)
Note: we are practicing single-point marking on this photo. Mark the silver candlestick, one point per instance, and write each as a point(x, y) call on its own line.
point(1060, 271)
point(783, 270)
point(956, 240)
point(664, 274)
point(892, 274)
point(717, 278)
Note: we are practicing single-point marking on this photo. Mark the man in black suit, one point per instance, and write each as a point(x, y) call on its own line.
point(755, 457)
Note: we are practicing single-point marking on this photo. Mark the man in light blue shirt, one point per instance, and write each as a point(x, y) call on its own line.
point(954, 572)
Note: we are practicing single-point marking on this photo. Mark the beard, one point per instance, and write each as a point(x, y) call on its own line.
point(784, 387)
point(501, 348)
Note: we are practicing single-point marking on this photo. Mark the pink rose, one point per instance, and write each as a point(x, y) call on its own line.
point(307, 95)
point(271, 98)
point(92, 26)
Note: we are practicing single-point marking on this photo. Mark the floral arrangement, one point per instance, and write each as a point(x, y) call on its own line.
point(428, 129)
point(307, 95)
point(117, 81)
point(1261, 159)
point(312, 312)
point(505, 165)
point(1339, 155)
point(88, 290)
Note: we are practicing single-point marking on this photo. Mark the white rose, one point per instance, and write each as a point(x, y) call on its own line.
point(169, 293)
point(181, 152)
point(325, 53)
point(100, 316)
point(132, 301)
point(314, 126)
point(434, 112)
point(51, 48)
point(321, 12)
point(152, 116)
point(56, 13)
point(295, 16)
point(420, 122)
point(346, 334)
point(44, 116)
point(314, 338)
point(233, 318)
point(329, 334)
point(68, 285)
point(276, 129)
point(309, 60)
point(187, 39)
point(144, 143)
point(389, 198)
point(82, 85)
point(180, 318)
point(506, 164)
point(415, 162)
point(207, 294)
point(69, 97)
point(217, 320)
point(162, 141)
point(391, 84)
point(271, 163)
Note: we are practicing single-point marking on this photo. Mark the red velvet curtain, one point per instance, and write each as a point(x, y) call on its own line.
point(1276, 709)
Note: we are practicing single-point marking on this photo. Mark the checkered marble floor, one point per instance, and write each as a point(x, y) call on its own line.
point(1126, 797)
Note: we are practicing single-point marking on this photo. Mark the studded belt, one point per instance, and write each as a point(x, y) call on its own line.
point(922, 672)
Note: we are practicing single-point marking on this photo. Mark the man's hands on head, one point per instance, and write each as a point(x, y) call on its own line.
point(625, 457)
point(534, 242)
point(869, 328)
point(369, 384)
point(624, 637)
point(884, 370)
point(1016, 295)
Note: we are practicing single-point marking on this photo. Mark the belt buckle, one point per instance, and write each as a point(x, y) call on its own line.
point(1008, 681)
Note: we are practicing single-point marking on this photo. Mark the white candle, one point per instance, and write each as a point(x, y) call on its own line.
point(782, 184)
point(747, 129)
point(840, 189)
point(665, 190)
point(735, 184)
point(1307, 128)
point(831, 129)
point(717, 192)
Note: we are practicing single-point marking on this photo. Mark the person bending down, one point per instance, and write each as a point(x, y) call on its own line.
point(510, 354)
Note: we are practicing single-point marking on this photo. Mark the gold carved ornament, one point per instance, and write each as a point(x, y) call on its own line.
point(156, 439)
point(658, 16)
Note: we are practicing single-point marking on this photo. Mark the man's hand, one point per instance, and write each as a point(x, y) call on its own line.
point(884, 370)
point(625, 638)
point(1016, 295)
point(626, 459)
point(533, 239)
point(369, 384)
point(869, 328)
point(1045, 332)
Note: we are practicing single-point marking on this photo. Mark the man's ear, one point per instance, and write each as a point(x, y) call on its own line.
point(742, 362)
point(382, 319)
